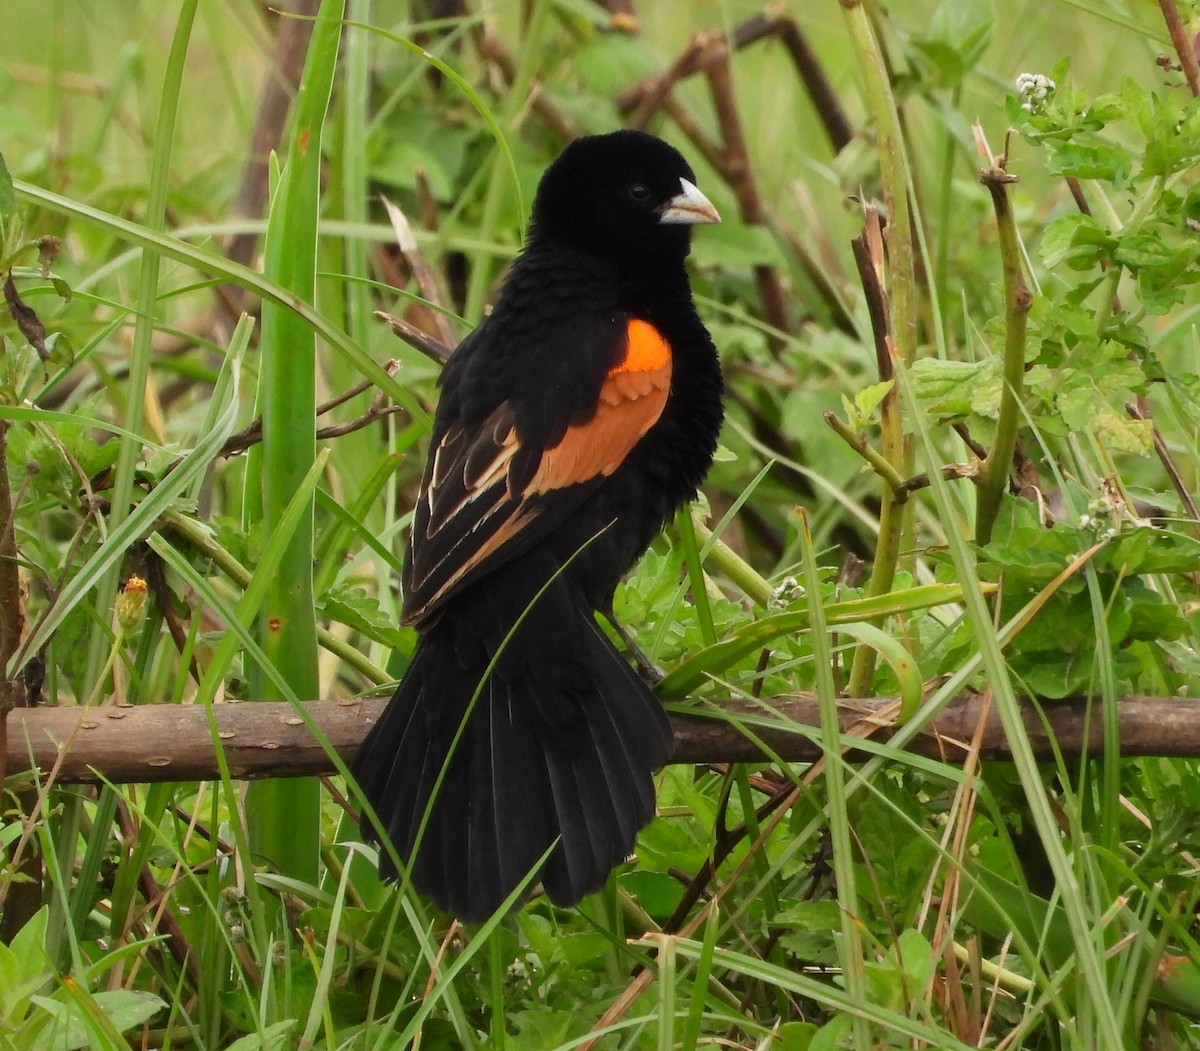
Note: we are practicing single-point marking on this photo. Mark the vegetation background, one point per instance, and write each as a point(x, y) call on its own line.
point(193, 256)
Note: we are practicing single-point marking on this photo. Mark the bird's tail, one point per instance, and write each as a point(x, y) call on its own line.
point(556, 746)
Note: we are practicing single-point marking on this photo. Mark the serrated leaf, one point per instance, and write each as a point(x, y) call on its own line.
point(949, 387)
point(1144, 248)
point(1078, 240)
point(1071, 159)
point(361, 612)
point(1146, 550)
point(1121, 433)
point(867, 400)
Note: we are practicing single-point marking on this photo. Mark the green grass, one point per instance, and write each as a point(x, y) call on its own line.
point(892, 900)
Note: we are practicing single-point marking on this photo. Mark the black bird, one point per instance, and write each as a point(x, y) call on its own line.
point(573, 422)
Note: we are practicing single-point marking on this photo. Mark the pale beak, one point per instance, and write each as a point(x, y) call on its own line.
point(690, 206)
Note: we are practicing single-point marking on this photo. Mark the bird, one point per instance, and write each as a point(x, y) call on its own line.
point(572, 423)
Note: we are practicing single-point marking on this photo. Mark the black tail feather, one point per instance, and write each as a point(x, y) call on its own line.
point(560, 747)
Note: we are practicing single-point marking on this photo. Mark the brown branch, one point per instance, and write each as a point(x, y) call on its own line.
point(640, 98)
point(869, 259)
point(156, 577)
point(172, 742)
point(658, 87)
point(1181, 43)
point(740, 173)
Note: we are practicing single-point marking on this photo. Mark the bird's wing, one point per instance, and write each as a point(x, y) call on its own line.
point(489, 493)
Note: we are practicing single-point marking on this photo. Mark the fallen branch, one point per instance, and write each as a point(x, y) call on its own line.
point(172, 742)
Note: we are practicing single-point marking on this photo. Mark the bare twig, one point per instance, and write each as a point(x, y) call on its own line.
point(417, 338)
point(157, 579)
point(655, 89)
point(951, 472)
point(869, 259)
point(894, 170)
point(379, 408)
point(426, 282)
point(858, 442)
point(156, 902)
point(820, 89)
point(964, 433)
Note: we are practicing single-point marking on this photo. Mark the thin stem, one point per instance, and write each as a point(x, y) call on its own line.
point(860, 445)
point(1017, 301)
point(894, 172)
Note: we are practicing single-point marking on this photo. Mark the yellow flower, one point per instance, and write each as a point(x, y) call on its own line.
point(131, 603)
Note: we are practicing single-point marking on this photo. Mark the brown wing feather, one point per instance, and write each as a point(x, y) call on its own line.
point(473, 506)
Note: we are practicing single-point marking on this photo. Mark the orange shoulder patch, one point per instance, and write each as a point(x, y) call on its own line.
point(645, 349)
point(632, 398)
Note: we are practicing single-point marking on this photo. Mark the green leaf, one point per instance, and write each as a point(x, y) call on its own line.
point(1120, 433)
point(811, 929)
point(1074, 160)
point(274, 1037)
point(1142, 248)
point(89, 1020)
point(1147, 550)
point(867, 400)
point(796, 1036)
point(353, 607)
point(1077, 240)
point(950, 388)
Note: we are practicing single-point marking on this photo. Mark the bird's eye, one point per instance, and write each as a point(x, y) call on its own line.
point(639, 192)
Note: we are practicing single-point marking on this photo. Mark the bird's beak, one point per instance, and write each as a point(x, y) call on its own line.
point(690, 206)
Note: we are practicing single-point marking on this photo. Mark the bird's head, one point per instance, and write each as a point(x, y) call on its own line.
point(622, 196)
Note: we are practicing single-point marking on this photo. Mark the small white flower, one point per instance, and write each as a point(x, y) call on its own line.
point(787, 591)
point(1034, 89)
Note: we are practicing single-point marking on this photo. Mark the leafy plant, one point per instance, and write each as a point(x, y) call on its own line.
point(987, 391)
